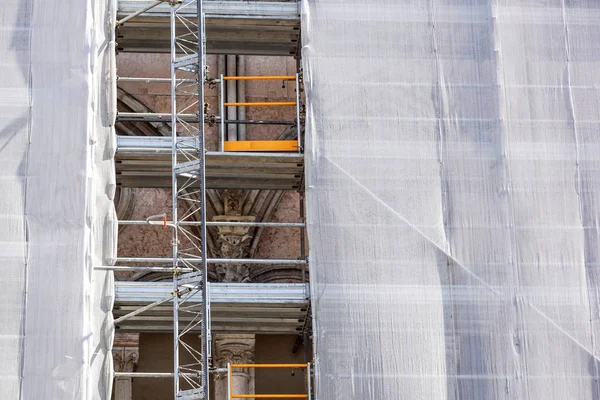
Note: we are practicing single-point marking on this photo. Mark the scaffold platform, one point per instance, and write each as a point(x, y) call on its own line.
point(232, 27)
point(265, 308)
point(145, 162)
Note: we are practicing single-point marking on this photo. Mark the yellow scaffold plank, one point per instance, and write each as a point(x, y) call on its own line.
point(261, 145)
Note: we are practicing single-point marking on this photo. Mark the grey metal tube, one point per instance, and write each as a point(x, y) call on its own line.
point(139, 12)
point(229, 377)
point(218, 370)
point(174, 192)
point(143, 309)
point(149, 80)
point(223, 116)
point(144, 374)
point(205, 325)
point(309, 380)
point(118, 268)
point(154, 117)
point(241, 95)
point(152, 374)
point(302, 239)
point(231, 86)
point(299, 124)
point(218, 223)
point(153, 260)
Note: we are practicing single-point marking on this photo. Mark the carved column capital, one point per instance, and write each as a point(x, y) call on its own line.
point(234, 349)
point(125, 359)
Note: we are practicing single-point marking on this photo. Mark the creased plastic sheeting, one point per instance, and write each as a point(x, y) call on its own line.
point(15, 117)
point(453, 194)
point(56, 214)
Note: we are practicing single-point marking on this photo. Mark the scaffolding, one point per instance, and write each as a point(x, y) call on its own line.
point(190, 304)
point(230, 390)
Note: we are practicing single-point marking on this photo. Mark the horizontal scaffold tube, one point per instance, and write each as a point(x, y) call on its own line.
point(261, 78)
point(223, 223)
point(154, 260)
point(156, 80)
point(162, 374)
point(258, 122)
point(268, 365)
point(262, 104)
point(119, 268)
point(154, 117)
point(148, 374)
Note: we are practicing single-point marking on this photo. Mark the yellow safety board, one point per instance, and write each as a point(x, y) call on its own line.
point(261, 145)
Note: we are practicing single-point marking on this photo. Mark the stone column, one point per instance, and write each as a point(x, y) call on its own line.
point(232, 242)
point(234, 349)
point(125, 359)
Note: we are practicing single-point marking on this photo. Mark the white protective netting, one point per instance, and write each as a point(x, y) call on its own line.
point(453, 187)
point(57, 219)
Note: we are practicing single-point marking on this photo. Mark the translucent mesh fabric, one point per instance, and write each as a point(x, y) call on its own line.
point(453, 195)
point(57, 219)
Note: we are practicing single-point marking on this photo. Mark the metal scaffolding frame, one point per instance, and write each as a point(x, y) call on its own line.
point(223, 140)
point(187, 63)
point(231, 395)
point(265, 308)
point(181, 158)
point(268, 28)
point(145, 161)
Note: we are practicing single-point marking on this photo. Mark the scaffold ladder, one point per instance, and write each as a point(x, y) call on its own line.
point(191, 365)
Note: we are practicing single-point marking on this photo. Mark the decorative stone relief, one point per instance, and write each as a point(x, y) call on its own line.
point(233, 241)
point(125, 359)
point(279, 274)
point(234, 349)
point(232, 202)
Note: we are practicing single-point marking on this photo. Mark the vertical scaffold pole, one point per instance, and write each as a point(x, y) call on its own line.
point(298, 113)
point(229, 382)
point(174, 200)
point(206, 339)
point(222, 112)
point(309, 381)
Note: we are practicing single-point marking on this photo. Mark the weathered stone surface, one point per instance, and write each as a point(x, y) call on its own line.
point(234, 349)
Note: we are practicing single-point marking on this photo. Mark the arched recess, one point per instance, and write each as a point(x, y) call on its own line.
point(126, 102)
